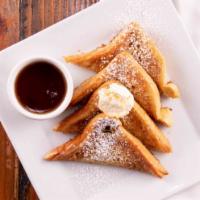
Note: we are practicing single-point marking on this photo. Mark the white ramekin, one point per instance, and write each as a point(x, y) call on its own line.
point(12, 95)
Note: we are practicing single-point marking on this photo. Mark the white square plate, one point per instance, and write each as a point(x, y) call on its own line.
point(84, 31)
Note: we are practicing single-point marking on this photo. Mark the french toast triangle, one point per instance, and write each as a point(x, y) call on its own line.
point(137, 122)
point(105, 141)
point(127, 71)
point(137, 43)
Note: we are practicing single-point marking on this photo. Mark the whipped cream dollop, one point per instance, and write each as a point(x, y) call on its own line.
point(116, 100)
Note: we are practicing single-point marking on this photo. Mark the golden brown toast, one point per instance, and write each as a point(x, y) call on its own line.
point(127, 71)
point(140, 46)
point(105, 141)
point(137, 122)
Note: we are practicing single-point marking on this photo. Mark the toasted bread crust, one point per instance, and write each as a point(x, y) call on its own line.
point(137, 122)
point(140, 46)
point(105, 141)
point(127, 71)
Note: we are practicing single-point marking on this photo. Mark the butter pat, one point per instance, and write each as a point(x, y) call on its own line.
point(116, 100)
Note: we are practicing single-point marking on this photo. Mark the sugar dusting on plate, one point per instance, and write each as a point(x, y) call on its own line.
point(141, 12)
point(90, 179)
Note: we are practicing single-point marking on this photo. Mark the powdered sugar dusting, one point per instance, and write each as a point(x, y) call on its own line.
point(102, 139)
point(137, 44)
point(104, 60)
point(119, 69)
point(145, 12)
point(123, 69)
point(134, 40)
point(107, 144)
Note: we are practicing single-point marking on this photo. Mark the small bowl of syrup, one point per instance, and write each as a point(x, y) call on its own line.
point(40, 87)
